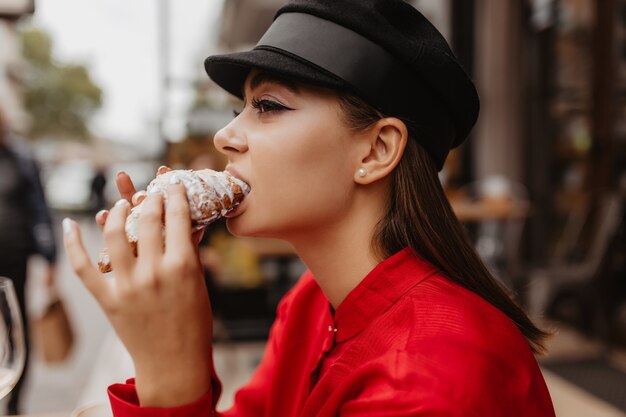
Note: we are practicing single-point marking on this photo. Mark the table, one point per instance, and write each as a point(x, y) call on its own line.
point(495, 225)
point(489, 209)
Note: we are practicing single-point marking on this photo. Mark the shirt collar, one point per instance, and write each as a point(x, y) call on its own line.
point(378, 291)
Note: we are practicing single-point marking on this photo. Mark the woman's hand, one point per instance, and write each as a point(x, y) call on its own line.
point(157, 301)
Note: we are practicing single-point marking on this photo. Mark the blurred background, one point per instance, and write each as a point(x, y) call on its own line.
point(107, 85)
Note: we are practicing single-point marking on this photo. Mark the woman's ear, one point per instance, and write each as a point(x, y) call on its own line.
point(383, 147)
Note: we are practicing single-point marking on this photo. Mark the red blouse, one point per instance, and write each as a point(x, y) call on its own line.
point(405, 342)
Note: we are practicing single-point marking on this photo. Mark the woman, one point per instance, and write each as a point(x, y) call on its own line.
point(350, 108)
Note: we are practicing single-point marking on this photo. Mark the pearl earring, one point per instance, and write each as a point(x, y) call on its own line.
point(362, 172)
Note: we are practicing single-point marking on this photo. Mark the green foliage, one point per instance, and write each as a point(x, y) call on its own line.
point(60, 97)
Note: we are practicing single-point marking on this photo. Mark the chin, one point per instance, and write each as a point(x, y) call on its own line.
point(234, 228)
point(240, 227)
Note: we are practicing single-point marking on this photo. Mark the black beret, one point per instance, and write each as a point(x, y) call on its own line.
point(384, 51)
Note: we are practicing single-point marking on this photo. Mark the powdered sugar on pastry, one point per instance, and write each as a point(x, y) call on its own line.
point(211, 195)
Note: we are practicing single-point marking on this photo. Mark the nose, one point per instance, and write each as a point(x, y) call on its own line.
point(230, 139)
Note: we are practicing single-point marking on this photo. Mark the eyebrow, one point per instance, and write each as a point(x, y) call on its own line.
point(265, 77)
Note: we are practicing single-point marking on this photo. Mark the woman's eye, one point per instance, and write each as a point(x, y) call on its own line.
point(265, 105)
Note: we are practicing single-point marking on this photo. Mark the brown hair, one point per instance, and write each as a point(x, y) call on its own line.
point(419, 216)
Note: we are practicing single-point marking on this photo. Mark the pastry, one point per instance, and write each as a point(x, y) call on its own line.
point(211, 195)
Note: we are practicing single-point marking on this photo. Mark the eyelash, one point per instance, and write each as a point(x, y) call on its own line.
point(264, 106)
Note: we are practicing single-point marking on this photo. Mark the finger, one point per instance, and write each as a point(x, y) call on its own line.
point(125, 185)
point(150, 230)
point(197, 236)
point(120, 251)
point(101, 218)
point(138, 197)
point(177, 219)
point(163, 169)
point(80, 262)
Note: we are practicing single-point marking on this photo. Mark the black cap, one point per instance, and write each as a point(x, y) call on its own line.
point(384, 51)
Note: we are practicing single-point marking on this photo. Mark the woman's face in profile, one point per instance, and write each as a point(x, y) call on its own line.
point(291, 144)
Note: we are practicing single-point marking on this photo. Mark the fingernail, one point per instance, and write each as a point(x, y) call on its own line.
point(120, 173)
point(138, 197)
point(67, 225)
point(102, 213)
point(121, 202)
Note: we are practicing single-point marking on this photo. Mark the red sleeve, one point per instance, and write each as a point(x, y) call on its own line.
point(249, 400)
point(124, 403)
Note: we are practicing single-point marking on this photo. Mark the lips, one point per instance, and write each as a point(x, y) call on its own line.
point(231, 170)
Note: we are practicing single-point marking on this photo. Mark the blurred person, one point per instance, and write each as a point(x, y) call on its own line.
point(98, 184)
point(25, 225)
point(350, 109)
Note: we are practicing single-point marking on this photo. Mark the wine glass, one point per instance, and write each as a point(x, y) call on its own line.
point(12, 348)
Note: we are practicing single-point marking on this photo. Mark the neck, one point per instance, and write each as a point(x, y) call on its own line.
point(340, 255)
